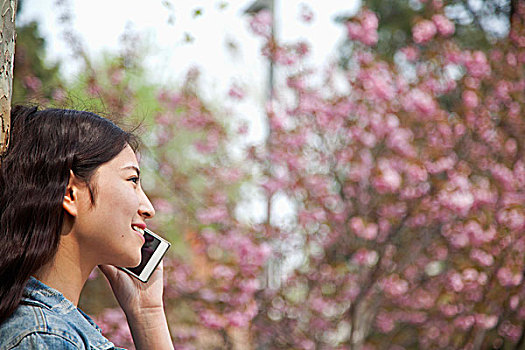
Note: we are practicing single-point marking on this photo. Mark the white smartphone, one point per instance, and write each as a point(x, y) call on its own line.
point(152, 251)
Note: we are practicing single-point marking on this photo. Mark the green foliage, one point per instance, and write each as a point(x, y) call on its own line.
point(34, 80)
point(395, 22)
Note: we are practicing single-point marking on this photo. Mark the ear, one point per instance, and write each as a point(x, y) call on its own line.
point(71, 197)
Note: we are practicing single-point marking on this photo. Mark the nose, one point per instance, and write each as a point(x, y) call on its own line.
point(146, 209)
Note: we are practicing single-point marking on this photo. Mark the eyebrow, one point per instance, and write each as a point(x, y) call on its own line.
point(132, 167)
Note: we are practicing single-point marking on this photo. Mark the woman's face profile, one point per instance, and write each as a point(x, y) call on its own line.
point(105, 229)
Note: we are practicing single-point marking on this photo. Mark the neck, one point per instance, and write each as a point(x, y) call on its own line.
point(66, 273)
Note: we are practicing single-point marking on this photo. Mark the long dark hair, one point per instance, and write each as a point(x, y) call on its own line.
point(44, 146)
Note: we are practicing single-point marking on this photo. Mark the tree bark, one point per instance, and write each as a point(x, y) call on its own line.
point(7, 58)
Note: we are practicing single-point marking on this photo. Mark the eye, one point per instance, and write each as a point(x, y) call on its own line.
point(134, 179)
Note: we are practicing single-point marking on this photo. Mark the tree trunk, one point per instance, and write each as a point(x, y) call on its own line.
point(514, 9)
point(7, 58)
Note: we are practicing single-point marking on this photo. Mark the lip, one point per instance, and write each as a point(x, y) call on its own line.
point(139, 230)
point(139, 225)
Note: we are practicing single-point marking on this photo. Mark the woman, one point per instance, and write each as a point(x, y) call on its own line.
point(70, 200)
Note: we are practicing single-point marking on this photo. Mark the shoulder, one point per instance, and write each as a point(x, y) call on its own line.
point(40, 340)
point(31, 325)
point(35, 326)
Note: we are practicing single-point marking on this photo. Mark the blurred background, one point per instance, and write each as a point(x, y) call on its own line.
point(332, 175)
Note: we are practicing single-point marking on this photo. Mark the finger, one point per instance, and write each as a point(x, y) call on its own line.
point(158, 272)
point(111, 272)
point(160, 266)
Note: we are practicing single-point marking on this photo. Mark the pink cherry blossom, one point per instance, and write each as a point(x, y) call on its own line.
point(511, 331)
point(364, 29)
point(444, 26)
point(236, 92)
point(378, 81)
point(400, 140)
point(365, 257)
point(212, 215)
point(477, 64)
point(223, 272)
point(514, 302)
point(486, 321)
point(261, 23)
point(212, 320)
point(33, 83)
point(411, 53)
point(388, 181)
point(306, 13)
point(470, 99)
point(465, 322)
point(482, 257)
point(420, 101)
point(384, 322)
point(423, 31)
point(456, 282)
point(507, 277)
point(395, 286)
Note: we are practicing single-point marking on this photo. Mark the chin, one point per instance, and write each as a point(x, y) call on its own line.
point(136, 261)
point(130, 261)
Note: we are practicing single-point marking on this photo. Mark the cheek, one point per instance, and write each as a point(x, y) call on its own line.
point(121, 198)
point(128, 200)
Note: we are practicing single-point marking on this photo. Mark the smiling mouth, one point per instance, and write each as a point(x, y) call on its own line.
point(138, 229)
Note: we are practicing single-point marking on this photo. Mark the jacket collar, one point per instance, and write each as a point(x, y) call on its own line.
point(39, 294)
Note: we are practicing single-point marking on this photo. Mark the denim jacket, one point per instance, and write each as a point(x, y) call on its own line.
point(45, 319)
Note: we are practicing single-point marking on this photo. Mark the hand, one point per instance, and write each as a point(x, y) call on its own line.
point(143, 306)
point(133, 295)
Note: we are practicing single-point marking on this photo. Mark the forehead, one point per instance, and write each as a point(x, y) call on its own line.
point(126, 158)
